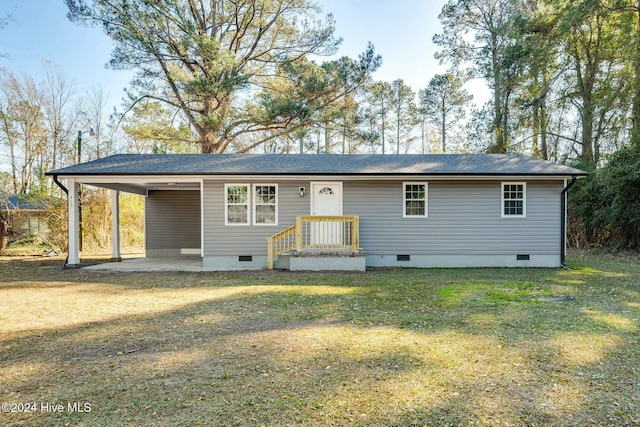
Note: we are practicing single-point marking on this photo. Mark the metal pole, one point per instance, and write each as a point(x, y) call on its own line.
point(80, 193)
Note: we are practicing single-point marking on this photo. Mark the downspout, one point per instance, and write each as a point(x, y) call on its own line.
point(563, 220)
point(66, 191)
point(59, 184)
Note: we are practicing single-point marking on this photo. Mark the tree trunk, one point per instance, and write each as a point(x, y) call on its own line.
point(497, 98)
point(327, 142)
point(544, 118)
point(14, 167)
point(504, 143)
point(635, 114)
point(443, 129)
point(210, 144)
point(398, 132)
point(535, 126)
point(544, 149)
point(383, 123)
point(586, 139)
point(4, 229)
point(422, 132)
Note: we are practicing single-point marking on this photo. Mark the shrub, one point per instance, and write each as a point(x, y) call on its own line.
point(605, 207)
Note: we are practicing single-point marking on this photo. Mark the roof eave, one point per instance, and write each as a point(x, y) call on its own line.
point(372, 175)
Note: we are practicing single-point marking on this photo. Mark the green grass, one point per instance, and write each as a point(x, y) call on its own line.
point(393, 347)
point(28, 246)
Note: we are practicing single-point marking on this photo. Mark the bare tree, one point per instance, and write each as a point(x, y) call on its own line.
point(22, 127)
point(57, 101)
point(97, 121)
point(4, 223)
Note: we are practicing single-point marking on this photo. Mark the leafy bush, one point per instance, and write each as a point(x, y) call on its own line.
point(605, 207)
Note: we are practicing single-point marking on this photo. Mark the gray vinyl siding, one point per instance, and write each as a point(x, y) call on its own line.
point(464, 217)
point(172, 219)
point(222, 240)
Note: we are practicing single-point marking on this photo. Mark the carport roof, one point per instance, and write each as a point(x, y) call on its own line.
point(318, 164)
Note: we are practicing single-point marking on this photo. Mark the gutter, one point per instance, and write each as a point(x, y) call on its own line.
point(563, 220)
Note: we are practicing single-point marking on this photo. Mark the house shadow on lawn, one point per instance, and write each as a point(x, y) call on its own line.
point(393, 347)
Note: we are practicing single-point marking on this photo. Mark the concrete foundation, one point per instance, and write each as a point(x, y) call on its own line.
point(462, 261)
point(321, 261)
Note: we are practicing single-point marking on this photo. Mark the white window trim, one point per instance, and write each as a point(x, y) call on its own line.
point(226, 205)
point(255, 206)
point(524, 199)
point(404, 200)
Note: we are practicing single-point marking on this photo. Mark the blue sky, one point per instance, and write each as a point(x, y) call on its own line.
point(401, 31)
point(40, 31)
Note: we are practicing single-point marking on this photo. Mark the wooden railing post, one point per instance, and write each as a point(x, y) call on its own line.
point(270, 253)
point(355, 229)
point(299, 233)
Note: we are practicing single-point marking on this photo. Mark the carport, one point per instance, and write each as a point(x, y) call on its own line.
point(150, 187)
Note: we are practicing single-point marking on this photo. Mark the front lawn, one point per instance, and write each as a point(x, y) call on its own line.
point(440, 347)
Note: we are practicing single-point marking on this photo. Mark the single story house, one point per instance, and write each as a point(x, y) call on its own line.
point(253, 211)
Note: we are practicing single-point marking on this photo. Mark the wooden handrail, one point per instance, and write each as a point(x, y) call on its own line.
point(328, 232)
point(280, 243)
point(315, 232)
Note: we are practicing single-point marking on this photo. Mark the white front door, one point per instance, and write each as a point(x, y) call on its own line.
point(326, 200)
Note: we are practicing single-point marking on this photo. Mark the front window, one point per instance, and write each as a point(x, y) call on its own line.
point(415, 199)
point(236, 204)
point(514, 199)
point(266, 204)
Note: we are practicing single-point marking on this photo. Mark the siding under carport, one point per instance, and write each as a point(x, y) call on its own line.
point(172, 219)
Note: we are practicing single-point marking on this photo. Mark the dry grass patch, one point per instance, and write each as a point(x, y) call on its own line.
point(388, 347)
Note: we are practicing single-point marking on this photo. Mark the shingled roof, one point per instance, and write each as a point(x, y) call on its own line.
point(21, 202)
point(318, 164)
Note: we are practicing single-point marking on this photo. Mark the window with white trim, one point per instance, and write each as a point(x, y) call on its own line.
point(236, 204)
point(514, 199)
point(415, 199)
point(265, 204)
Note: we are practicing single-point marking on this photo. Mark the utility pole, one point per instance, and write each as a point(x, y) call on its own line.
point(80, 193)
point(90, 132)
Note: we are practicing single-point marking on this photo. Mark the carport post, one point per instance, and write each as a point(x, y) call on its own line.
point(115, 226)
point(73, 258)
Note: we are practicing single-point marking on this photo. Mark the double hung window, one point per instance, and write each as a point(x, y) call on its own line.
point(514, 202)
point(415, 199)
point(238, 206)
point(265, 204)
